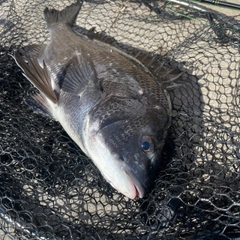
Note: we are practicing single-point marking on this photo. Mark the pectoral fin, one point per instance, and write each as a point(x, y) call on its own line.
point(78, 74)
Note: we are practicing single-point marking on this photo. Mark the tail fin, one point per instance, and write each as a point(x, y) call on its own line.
point(68, 15)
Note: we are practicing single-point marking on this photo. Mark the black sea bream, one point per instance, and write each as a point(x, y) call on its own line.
point(107, 101)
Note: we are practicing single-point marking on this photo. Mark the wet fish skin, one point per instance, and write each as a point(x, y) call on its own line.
point(107, 101)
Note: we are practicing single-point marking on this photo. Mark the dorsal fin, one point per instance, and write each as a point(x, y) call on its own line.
point(68, 15)
point(37, 75)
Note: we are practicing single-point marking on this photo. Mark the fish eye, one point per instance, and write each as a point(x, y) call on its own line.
point(147, 144)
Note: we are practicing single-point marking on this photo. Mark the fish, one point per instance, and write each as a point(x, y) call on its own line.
point(107, 101)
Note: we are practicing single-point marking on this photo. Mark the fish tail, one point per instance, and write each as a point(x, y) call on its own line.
point(68, 15)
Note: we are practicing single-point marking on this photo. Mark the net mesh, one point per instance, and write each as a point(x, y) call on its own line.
point(50, 190)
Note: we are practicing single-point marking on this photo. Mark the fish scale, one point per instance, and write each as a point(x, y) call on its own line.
point(107, 101)
point(119, 107)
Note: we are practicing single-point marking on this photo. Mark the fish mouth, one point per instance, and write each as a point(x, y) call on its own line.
point(139, 188)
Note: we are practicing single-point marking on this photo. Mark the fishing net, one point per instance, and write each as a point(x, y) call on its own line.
point(50, 190)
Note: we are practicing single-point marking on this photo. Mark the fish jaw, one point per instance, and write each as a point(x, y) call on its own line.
point(140, 190)
point(112, 167)
point(114, 170)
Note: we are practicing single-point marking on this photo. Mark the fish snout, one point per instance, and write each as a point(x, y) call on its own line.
point(140, 185)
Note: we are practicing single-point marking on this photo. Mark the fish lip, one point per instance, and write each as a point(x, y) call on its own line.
point(140, 189)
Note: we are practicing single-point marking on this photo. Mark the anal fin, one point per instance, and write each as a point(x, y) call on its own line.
point(39, 104)
point(37, 75)
point(31, 51)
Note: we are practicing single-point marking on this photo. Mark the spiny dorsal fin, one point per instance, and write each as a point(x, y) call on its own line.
point(68, 15)
point(78, 74)
point(37, 75)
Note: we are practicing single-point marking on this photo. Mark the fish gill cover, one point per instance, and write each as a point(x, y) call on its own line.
point(50, 190)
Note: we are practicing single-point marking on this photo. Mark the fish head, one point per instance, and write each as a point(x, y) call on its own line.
point(142, 152)
point(127, 150)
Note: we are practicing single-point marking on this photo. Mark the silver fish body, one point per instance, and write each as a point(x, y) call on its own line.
point(107, 101)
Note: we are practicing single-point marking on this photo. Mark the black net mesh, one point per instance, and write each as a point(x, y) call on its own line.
point(50, 190)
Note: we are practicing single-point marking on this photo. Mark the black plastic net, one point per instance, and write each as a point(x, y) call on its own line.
point(50, 190)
